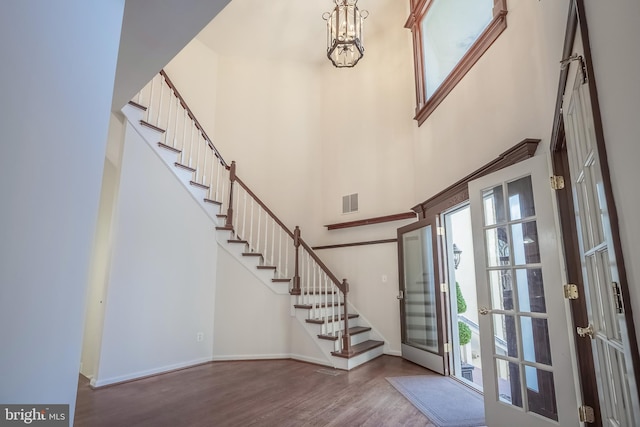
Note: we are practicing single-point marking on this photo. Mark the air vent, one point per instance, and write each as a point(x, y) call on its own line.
point(350, 203)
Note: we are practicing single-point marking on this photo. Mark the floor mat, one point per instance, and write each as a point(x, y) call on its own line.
point(445, 401)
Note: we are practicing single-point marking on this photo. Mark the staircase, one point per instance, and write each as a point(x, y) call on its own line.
point(249, 230)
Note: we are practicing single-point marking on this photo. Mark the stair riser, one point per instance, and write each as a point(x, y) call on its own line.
point(364, 357)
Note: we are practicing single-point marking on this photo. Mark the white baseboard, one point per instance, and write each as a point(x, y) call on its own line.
point(232, 357)
point(394, 353)
point(96, 383)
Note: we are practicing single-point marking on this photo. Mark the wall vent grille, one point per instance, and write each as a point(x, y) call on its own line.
point(350, 203)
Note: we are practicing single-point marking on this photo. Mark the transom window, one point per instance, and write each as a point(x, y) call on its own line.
point(449, 36)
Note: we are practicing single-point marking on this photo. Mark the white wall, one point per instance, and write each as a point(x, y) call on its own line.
point(162, 279)
point(614, 32)
point(367, 124)
point(194, 71)
point(251, 321)
point(101, 254)
point(55, 101)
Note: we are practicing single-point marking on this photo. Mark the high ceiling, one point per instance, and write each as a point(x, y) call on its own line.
point(283, 30)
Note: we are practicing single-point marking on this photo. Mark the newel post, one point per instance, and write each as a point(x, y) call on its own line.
point(232, 178)
point(346, 338)
point(295, 290)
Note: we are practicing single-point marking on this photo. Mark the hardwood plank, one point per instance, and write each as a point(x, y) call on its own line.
point(283, 393)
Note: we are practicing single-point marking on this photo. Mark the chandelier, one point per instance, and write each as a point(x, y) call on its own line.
point(344, 33)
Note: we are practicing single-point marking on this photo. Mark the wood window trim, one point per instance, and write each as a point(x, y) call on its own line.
point(419, 8)
point(459, 192)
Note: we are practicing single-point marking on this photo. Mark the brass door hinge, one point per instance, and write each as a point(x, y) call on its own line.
point(585, 332)
point(586, 414)
point(557, 182)
point(570, 291)
point(447, 347)
point(583, 66)
point(444, 287)
point(440, 231)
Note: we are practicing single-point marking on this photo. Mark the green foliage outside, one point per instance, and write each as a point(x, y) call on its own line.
point(464, 332)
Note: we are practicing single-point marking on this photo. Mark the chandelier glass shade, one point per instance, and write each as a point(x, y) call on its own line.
point(344, 33)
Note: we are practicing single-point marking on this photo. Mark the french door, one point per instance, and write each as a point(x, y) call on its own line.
point(421, 300)
point(607, 325)
point(527, 368)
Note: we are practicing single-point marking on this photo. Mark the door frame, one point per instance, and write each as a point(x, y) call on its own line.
point(414, 353)
point(576, 21)
point(430, 212)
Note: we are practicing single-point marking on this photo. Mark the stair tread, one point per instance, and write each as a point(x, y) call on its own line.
point(334, 319)
point(225, 228)
point(135, 104)
point(183, 166)
point(197, 184)
point(323, 305)
point(214, 202)
point(280, 280)
point(237, 241)
point(168, 147)
point(149, 125)
point(352, 331)
point(358, 349)
point(251, 254)
point(267, 267)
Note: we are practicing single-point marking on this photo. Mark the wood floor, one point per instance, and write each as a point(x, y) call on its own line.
point(256, 393)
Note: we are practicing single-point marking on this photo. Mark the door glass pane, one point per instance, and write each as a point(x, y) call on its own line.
point(497, 246)
point(514, 272)
point(493, 203)
point(420, 291)
point(530, 290)
point(521, 199)
point(501, 289)
point(509, 390)
point(535, 340)
point(541, 393)
point(504, 329)
point(525, 243)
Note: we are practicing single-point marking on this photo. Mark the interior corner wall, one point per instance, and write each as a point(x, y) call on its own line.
point(55, 113)
point(251, 321)
point(613, 34)
point(162, 279)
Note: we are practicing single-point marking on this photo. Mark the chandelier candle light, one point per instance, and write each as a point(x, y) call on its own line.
point(344, 33)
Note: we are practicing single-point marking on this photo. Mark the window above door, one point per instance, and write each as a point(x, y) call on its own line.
point(449, 36)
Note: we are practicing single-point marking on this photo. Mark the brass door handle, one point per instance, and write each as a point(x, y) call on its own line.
point(483, 311)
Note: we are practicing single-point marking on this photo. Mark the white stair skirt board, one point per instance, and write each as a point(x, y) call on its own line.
point(169, 158)
point(152, 137)
point(251, 262)
point(329, 346)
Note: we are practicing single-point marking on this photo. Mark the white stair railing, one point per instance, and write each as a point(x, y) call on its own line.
point(247, 217)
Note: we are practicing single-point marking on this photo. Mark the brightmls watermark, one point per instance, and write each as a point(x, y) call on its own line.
point(35, 415)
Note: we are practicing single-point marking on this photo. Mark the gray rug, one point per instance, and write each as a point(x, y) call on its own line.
point(446, 402)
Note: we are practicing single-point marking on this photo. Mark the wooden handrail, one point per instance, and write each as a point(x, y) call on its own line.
point(267, 210)
point(324, 268)
point(163, 73)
